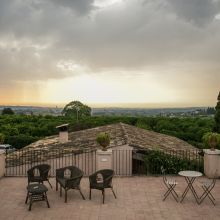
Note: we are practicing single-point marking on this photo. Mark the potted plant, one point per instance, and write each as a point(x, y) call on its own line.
point(213, 140)
point(103, 139)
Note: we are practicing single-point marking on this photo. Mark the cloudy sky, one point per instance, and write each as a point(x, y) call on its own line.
point(146, 52)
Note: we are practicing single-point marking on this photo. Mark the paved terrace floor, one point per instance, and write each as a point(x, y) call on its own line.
point(138, 198)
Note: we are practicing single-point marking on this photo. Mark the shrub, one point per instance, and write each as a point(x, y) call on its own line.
point(172, 163)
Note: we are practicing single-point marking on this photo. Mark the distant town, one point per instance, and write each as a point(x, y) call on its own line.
point(163, 112)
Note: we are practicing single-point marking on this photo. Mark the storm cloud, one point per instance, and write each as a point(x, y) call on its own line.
point(51, 39)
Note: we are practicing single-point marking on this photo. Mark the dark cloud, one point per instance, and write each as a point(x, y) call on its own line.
point(131, 35)
point(199, 12)
point(78, 6)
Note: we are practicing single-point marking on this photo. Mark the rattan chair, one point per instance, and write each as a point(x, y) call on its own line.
point(170, 185)
point(101, 180)
point(70, 182)
point(39, 173)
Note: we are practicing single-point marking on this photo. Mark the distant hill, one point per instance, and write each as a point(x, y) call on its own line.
point(55, 111)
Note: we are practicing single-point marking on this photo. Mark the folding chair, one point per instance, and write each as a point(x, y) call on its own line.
point(207, 186)
point(170, 184)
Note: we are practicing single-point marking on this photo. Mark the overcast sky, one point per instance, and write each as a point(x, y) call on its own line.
point(151, 52)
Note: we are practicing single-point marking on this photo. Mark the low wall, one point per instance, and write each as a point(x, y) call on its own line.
point(2, 163)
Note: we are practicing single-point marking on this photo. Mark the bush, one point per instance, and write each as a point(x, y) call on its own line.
point(172, 163)
point(20, 141)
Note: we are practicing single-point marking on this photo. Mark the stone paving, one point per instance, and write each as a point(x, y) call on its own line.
point(138, 198)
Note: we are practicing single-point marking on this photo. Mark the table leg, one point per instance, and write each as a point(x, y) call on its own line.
point(191, 188)
point(187, 188)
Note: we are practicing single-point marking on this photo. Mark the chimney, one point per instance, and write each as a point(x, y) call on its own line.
point(63, 133)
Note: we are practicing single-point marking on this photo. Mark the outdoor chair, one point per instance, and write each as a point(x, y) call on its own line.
point(208, 185)
point(101, 180)
point(69, 178)
point(39, 173)
point(170, 185)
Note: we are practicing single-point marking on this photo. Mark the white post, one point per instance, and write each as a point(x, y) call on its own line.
point(104, 159)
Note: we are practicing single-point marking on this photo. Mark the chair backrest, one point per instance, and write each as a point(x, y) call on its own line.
point(42, 169)
point(163, 171)
point(216, 176)
point(106, 174)
point(74, 172)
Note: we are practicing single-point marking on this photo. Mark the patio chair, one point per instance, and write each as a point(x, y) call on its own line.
point(39, 173)
point(72, 181)
point(101, 180)
point(208, 185)
point(170, 185)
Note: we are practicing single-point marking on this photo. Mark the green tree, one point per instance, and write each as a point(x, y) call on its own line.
point(76, 109)
point(217, 115)
point(7, 111)
point(2, 138)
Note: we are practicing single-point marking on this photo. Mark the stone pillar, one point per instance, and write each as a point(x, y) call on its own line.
point(2, 163)
point(211, 163)
point(104, 159)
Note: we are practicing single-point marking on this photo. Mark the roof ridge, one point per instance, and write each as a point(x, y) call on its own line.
point(125, 133)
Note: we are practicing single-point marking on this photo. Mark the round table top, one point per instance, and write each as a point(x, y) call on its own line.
point(36, 188)
point(190, 173)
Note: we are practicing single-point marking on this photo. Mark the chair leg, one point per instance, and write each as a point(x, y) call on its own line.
point(65, 195)
point(90, 193)
point(113, 193)
point(56, 185)
point(30, 203)
point(207, 192)
point(60, 191)
point(103, 196)
point(48, 205)
point(81, 194)
point(172, 191)
point(49, 184)
point(26, 198)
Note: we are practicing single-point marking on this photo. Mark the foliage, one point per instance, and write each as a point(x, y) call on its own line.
point(2, 138)
point(217, 115)
point(7, 111)
point(103, 139)
point(172, 163)
point(21, 140)
point(21, 130)
point(208, 139)
point(37, 127)
point(77, 110)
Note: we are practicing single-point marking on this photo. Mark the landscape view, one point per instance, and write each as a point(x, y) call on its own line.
point(137, 78)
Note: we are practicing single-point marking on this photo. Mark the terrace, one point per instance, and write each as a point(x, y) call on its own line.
point(137, 198)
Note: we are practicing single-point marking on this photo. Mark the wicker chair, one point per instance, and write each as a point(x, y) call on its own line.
point(101, 180)
point(42, 171)
point(71, 182)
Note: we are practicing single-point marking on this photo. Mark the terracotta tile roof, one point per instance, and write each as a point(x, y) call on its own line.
point(120, 134)
point(85, 140)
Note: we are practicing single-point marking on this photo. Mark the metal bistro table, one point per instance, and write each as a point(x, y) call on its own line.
point(190, 177)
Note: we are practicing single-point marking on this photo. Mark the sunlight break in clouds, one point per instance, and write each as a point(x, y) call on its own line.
point(113, 51)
